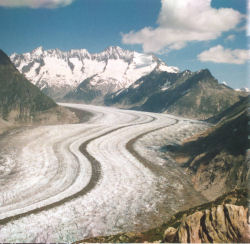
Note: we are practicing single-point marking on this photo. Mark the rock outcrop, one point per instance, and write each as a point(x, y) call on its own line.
point(222, 220)
point(224, 223)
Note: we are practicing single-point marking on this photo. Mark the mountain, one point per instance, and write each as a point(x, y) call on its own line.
point(56, 72)
point(126, 79)
point(189, 94)
point(19, 99)
point(22, 103)
point(216, 159)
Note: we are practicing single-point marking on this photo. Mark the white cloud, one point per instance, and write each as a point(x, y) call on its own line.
point(219, 54)
point(248, 19)
point(182, 21)
point(35, 3)
point(230, 38)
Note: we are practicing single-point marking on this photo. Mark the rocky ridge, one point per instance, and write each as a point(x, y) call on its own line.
point(222, 220)
point(189, 94)
point(223, 223)
point(56, 72)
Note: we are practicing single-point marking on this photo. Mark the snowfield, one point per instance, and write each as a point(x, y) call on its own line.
point(108, 71)
point(66, 182)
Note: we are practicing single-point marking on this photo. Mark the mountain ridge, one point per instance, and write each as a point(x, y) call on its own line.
point(217, 158)
point(22, 103)
point(189, 94)
point(57, 72)
point(19, 95)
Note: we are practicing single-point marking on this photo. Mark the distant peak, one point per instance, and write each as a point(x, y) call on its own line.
point(116, 50)
point(205, 71)
point(113, 48)
point(82, 50)
point(245, 89)
point(38, 50)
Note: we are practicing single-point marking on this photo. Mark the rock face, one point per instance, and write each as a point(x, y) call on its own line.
point(224, 223)
point(216, 159)
point(56, 72)
point(189, 94)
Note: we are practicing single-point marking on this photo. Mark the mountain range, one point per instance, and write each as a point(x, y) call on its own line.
point(125, 79)
point(56, 72)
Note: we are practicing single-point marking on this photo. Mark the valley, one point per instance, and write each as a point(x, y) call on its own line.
point(67, 182)
point(124, 121)
point(77, 171)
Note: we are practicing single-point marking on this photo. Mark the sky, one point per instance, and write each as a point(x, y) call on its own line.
point(189, 34)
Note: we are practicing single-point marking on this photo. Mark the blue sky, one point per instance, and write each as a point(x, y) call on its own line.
point(153, 26)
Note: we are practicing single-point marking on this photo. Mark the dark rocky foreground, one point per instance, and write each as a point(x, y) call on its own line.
point(222, 220)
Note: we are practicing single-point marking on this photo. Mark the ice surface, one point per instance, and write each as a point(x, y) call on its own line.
point(43, 165)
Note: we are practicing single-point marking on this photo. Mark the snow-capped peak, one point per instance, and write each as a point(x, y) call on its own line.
point(112, 69)
point(38, 51)
point(114, 49)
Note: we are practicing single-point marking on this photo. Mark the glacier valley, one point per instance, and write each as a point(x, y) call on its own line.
point(63, 183)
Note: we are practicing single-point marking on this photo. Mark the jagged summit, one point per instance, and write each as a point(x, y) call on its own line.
point(38, 51)
point(115, 49)
point(57, 72)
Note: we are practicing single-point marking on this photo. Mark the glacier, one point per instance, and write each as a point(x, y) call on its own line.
point(46, 169)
